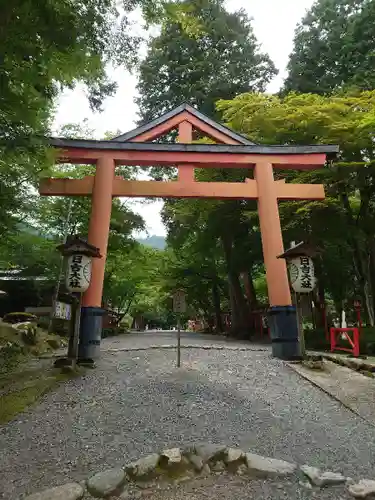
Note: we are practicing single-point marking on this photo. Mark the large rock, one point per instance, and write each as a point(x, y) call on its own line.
point(264, 466)
point(321, 479)
point(144, 468)
point(363, 489)
point(106, 483)
point(69, 491)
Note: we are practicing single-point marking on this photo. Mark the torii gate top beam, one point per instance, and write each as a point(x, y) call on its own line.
point(199, 155)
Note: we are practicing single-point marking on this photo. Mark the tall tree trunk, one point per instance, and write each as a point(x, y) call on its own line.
point(250, 290)
point(240, 316)
point(371, 245)
point(217, 306)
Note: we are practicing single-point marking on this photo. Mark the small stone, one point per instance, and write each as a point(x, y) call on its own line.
point(174, 463)
point(233, 455)
point(105, 483)
point(321, 479)
point(265, 466)
point(144, 467)
point(313, 473)
point(330, 478)
point(363, 489)
point(211, 452)
point(206, 471)
point(69, 491)
point(218, 466)
point(196, 461)
point(172, 456)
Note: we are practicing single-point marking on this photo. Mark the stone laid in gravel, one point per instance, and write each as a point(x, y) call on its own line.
point(211, 453)
point(105, 483)
point(172, 456)
point(196, 461)
point(200, 460)
point(268, 466)
point(174, 463)
point(144, 468)
point(69, 491)
point(363, 489)
point(321, 479)
point(234, 455)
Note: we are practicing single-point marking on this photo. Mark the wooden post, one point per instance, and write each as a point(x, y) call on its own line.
point(185, 136)
point(178, 340)
point(101, 208)
point(272, 240)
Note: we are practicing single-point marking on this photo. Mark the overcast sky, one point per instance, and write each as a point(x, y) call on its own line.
point(274, 22)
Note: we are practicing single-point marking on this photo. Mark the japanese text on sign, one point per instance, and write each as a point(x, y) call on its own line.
point(302, 275)
point(62, 311)
point(78, 273)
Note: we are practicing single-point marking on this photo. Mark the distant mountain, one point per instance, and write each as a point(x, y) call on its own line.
point(153, 241)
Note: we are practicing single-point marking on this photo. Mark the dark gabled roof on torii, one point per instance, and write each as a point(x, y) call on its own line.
point(329, 149)
point(128, 136)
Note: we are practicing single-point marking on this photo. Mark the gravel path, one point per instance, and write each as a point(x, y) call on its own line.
point(225, 487)
point(151, 338)
point(138, 402)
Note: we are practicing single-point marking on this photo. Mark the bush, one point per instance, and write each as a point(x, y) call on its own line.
point(19, 317)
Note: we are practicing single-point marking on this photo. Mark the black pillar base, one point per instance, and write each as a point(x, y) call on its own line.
point(90, 334)
point(284, 332)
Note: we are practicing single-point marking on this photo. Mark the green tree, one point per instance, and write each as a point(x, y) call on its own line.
point(214, 241)
point(342, 224)
point(46, 46)
point(334, 47)
point(223, 59)
point(220, 61)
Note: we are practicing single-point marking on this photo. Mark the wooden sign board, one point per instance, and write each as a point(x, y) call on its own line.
point(179, 302)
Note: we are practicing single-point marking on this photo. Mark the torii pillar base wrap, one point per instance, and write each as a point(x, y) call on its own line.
point(282, 314)
point(92, 312)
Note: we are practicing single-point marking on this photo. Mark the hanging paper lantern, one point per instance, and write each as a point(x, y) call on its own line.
point(78, 273)
point(302, 274)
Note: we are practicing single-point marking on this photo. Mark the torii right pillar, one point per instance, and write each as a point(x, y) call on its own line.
point(282, 314)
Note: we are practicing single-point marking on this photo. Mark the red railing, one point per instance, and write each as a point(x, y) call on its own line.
point(345, 332)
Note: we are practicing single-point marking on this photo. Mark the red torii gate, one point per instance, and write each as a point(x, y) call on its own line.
point(231, 150)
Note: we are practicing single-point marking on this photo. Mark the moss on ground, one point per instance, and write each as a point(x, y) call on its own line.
point(20, 390)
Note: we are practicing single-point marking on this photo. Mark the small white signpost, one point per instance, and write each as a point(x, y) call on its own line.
point(62, 311)
point(179, 307)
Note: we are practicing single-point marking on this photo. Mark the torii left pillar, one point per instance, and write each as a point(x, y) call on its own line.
point(101, 208)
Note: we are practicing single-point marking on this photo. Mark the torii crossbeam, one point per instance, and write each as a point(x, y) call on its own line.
point(230, 151)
